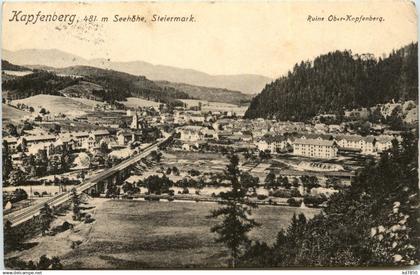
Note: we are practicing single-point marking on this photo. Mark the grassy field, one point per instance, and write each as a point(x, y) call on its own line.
point(55, 104)
point(11, 113)
point(137, 234)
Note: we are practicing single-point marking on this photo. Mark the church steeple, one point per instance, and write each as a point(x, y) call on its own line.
point(135, 122)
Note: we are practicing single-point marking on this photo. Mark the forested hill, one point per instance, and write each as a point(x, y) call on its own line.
point(6, 65)
point(83, 81)
point(337, 81)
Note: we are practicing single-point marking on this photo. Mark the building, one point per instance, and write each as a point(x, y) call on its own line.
point(383, 143)
point(316, 148)
point(364, 145)
point(11, 143)
point(38, 139)
point(272, 143)
point(125, 137)
point(192, 133)
point(191, 145)
point(86, 139)
point(135, 121)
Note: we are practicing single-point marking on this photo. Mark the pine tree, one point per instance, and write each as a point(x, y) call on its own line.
point(46, 216)
point(235, 211)
point(75, 199)
point(11, 236)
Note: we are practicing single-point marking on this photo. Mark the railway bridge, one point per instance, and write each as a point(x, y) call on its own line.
point(96, 184)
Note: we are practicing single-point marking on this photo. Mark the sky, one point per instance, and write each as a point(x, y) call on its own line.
point(265, 38)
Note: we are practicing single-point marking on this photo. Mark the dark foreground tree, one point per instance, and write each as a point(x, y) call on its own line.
point(235, 213)
point(46, 216)
point(11, 236)
point(75, 200)
point(44, 263)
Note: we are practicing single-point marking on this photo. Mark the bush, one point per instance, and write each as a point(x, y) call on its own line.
point(281, 193)
point(15, 196)
point(89, 219)
point(261, 197)
point(293, 202)
point(194, 172)
point(295, 193)
point(314, 201)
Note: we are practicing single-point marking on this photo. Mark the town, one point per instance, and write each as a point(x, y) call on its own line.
point(48, 153)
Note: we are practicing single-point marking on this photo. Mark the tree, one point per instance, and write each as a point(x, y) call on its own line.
point(157, 185)
point(270, 181)
point(29, 166)
point(16, 177)
point(249, 182)
point(75, 200)
point(156, 156)
point(11, 236)
point(47, 263)
point(284, 182)
point(7, 161)
point(235, 211)
point(18, 195)
point(104, 148)
point(12, 130)
point(295, 182)
point(175, 171)
point(111, 190)
point(46, 217)
point(309, 182)
point(54, 164)
point(332, 182)
point(56, 129)
point(43, 111)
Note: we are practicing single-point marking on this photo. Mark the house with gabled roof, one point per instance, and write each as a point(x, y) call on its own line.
point(316, 148)
point(272, 143)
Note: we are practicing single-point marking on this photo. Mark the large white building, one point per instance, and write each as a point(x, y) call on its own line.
point(366, 145)
point(316, 148)
point(273, 144)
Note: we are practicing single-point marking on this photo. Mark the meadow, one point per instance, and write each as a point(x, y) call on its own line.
point(137, 234)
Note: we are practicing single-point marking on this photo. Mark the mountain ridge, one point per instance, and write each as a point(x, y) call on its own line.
point(246, 83)
point(104, 84)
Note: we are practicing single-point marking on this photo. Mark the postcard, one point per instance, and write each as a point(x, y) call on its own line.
point(210, 135)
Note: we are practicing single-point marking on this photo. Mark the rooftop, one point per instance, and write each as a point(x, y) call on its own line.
point(310, 141)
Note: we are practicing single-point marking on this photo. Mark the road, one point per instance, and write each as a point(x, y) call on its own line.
point(25, 214)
